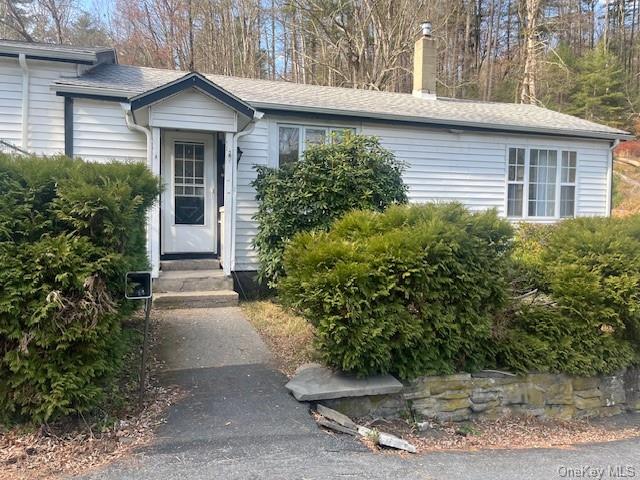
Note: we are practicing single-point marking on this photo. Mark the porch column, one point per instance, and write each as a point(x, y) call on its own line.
point(153, 227)
point(229, 207)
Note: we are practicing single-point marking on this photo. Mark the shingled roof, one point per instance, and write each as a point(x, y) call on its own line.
point(55, 52)
point(128, 81)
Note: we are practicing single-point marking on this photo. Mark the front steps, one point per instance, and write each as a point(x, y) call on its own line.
point(193, 284)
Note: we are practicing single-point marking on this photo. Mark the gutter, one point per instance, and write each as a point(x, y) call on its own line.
point(609, 207)
point(22, 60)
point(131, 125)
point(231, 209)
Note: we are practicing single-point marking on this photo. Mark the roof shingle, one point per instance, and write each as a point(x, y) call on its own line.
point(266, 94)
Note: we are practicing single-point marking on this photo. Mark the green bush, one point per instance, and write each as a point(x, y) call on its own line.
point(410, 291)
point(583, 313)
point(69, 230)
point(327, 182)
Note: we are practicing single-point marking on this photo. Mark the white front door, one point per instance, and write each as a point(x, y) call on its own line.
point(188, 199)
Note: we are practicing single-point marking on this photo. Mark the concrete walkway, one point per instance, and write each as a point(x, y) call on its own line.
point(240, 423)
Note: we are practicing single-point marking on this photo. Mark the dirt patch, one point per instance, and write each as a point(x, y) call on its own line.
point(626, 194)
point(288, 336)
point(508, 433)
point(75, 445)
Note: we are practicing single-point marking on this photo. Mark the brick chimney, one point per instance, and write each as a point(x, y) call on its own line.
point(425, 64)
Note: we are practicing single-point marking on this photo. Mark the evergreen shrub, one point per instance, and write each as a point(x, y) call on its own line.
point(328, 181)
point(69, 230)
point(411, 291)
point(582, 316)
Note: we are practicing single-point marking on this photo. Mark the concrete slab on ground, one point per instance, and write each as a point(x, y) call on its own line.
point(315, 382)
point(208, 337)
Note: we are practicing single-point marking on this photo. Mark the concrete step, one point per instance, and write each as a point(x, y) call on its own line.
point(205, 299)
point(192, 281)
point(194, 264)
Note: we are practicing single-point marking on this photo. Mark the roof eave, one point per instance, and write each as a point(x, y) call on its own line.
point(52, 55)
point(408, 119)
point(126, 95)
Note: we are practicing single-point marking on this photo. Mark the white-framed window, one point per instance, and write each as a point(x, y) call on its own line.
point(541, 182)
point(293, 139)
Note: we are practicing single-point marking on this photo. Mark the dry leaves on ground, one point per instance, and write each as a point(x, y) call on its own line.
point(509, 433)
point(288, 336)
point(48, 453)
point(73, 447)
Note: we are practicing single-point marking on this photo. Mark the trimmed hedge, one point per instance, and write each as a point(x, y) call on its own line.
point(69, 230)
point(410, 291)
point(327, 182)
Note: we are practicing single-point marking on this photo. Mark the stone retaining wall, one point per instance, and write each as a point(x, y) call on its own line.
point(490, 394)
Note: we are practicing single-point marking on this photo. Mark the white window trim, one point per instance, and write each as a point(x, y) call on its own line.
point(302, 126)
point(525, 190)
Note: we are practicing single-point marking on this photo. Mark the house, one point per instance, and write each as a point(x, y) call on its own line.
point(203, 134)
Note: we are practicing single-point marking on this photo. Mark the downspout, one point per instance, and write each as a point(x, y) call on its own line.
point(232, 208)
point(131, 125)
point(22, 60)
point(609, 208)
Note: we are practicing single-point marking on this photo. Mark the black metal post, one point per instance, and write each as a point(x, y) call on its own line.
point(143, 363)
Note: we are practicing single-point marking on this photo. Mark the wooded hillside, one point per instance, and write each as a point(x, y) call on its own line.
point(576, 56)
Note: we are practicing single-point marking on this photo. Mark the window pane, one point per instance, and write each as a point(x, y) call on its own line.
point(569, 163)
point(542, 183)
point(514, 200)
point(315, 136)
point(337, 134)
point(288, 145)
point(567, 201)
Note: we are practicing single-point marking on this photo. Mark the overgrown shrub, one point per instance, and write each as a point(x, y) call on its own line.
point(435, 289)
point(410, 291)
point(327, 182)
point(582, 311)
point(68, 232)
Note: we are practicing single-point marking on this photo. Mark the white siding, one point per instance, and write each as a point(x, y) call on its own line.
point(471, 167)
point(193, 110)
point(100, 133)
point(10, 101)
point(441, 166)
point(46, 109)
point(255, 151)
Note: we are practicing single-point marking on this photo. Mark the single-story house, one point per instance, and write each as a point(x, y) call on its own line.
point(203, 134)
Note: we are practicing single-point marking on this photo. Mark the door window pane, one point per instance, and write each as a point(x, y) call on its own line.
point(189, 170)
point(288, 145)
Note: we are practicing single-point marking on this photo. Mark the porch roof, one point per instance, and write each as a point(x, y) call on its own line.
point(192, 80)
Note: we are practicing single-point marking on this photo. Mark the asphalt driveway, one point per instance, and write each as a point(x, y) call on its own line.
point(239, 422)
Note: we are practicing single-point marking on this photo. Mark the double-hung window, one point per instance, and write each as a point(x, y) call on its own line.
point(293, 139)
point(541, 183)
